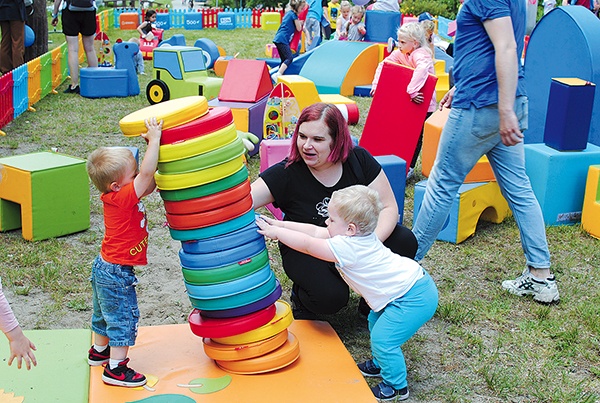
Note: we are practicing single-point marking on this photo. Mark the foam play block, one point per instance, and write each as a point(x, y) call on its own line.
point(197, 145)
point(245, 81)
point(197, 178)
point(270, 20)
point(362, 90)
point(381, 25)
point(192, 21)
point(590, 216)
point(58, 351)
point(129, 21)
point(230, 288)
point(221, 257)
point(226, 20)
point(303, 89)
point(481, 172)
point(247, 116)
point(209, 159)
point(394, 122)
point(474, 201)
point(223, 352)
point(394, 168)
point(45, 194)
point(273, 151)
point(208, 189)
point(211, 327)
point(223, 274)
point(558, 180)
point(227, 241)
point(102, 82)
point(323, 357)
point(569, 114)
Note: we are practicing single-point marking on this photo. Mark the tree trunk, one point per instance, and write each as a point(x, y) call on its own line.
point(38, 21)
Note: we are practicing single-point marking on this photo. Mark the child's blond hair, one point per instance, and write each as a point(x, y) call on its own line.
point(413, 31)
point(107, 165)
point(357, 10)
point(345, 4)
point(360, 205)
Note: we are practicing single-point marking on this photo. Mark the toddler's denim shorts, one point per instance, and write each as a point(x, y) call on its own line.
point(116, 314)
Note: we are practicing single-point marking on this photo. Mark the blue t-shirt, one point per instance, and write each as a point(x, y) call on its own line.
point(315, 9)
point(287, 28)
point(474, 55)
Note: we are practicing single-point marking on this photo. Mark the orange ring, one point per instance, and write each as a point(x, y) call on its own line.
point(280, 358)
point(223, 352)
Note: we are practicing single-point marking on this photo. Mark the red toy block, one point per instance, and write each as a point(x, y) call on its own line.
point(245, 81)
point(394, 121)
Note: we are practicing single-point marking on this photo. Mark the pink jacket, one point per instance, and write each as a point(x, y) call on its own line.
point(7, 319)
point(420, 60)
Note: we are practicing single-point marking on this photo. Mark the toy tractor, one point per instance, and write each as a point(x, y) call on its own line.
point(180, 71)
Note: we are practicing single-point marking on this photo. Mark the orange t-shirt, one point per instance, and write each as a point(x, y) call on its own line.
point(125, 228)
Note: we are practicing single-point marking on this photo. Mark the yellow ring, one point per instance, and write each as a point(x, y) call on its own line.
point(197, 178)
point(173, 113)
point(197, 145)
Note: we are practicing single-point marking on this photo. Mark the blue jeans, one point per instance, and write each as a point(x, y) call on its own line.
point(116, 314)
point(396, 323)
point(467, 135)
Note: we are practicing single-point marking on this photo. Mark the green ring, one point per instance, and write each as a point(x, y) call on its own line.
point(204, 161)
point(230, 272)
point(208, 189)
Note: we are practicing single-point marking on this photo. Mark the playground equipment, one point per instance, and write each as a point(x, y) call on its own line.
point(180, 71)
point(45, 194)
point(590, 216)
point(474, 201)
point(147, 47)
point(395, 122)
point(103, 82)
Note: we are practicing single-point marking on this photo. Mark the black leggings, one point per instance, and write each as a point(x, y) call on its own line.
point(319, 286)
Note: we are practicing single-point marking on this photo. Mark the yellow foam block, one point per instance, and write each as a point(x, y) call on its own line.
point(302, 88)
point(485, 202)
point(439, 66)
point(197, 145)
point(241, 118)
point(197, 178)
point(336, 99)
point(173, 113)
point(590, 216)
point(325, 371)
point(361, 72)
point(481, 172)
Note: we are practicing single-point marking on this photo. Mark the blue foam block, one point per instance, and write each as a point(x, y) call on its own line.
point(192, 21)
point(558, 180)
point(394, 168)
point(381, 25)
point(363, 90)
point(226, 20)
point(103, 82)
point(163, 21)
point(175, 40)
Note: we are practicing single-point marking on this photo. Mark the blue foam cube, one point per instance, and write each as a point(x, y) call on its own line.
point(394, 168)
point(192, 21)
point(226, 20)
point(381, 25)
point(558, 180)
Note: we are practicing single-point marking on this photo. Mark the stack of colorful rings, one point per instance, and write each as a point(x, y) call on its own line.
point(204, 184)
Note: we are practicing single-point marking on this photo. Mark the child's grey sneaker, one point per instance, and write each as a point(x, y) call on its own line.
point(384, 393)
point(544, 291)
point(368, 368)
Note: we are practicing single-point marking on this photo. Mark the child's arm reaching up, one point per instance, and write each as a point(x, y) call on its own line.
point(314, 245)
point(144, 182)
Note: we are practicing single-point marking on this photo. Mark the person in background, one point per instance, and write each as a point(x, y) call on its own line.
point(333, 11)
point(414, 52)
point(289, 25)
point(138, 58)
point(343, 19)
point(12, 26)
point(487, 117)
point(77, 21)
point(313, 24)
point(355, 28)
point(145, 28)
point(401, 294)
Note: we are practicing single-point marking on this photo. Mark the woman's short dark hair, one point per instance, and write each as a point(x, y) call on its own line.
point(331, 116)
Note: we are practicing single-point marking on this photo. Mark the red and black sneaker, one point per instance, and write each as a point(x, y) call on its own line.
point(122, 375)
point(95, 359)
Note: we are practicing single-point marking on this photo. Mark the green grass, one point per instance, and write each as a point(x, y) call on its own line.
point(482, 345)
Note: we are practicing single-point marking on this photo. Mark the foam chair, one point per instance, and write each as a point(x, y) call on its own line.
point(46, 194)
point(558, 180)
point(473, 201)
point(481, 172)
point(590, 216)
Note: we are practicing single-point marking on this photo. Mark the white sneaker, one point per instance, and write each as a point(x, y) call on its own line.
point(544, 291)
point(391, 44)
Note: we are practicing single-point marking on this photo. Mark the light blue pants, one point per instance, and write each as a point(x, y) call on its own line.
point(392, 326)
point(467, 135)
point(314, 32)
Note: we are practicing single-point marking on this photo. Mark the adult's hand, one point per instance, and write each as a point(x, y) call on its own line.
point(510, 133)
point(446, 101)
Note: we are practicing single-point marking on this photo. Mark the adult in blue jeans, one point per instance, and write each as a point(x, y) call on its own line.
point(489, 113)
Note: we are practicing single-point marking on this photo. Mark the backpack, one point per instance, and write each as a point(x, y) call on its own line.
point(81, 5)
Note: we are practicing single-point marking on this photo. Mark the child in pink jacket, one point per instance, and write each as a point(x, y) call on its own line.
point(413, 51)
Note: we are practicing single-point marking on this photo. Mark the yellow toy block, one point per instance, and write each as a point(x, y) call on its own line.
point(303, 89)
point(481, 172)
point(336, 99)
point(46, 194)
point(443, 83)
point(590, 215)
point(270, 21)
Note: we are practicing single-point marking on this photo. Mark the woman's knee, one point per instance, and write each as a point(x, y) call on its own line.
point(402, 241)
